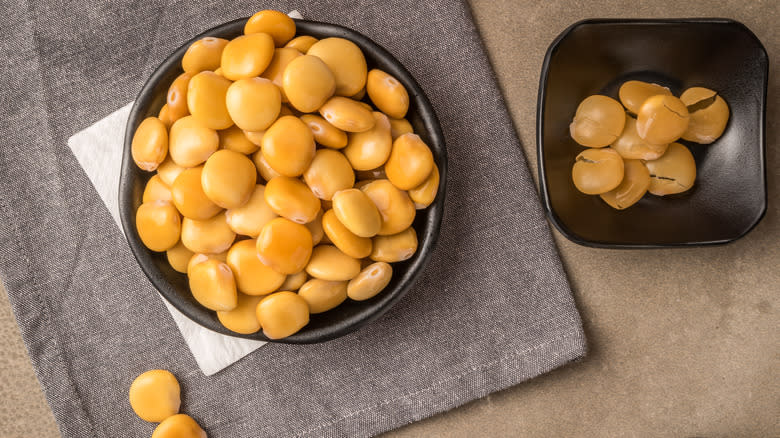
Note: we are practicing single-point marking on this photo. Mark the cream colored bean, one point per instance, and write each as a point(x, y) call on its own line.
point(348, 242)
point(325, 133)
point(399, 127)
point(204, 54)
point(410, 162)
point(191, 142)
point(276, 24)
point(233, 139)
point(263, 168)
point(252, 276)
point(189, 197)
point(150, 144)
point(395, 248)
point(159, 225)
point(356, 210)
point(242, 319)
point(328, 173)
point(288, 146)
point(308, 83)
point(284, 246)
point(250, 218)
point(179, 257)
point(345, 60)
point(302, 43)
point(169, 171)
point(370, 149)
point(329, 263)
point(206, 94)
point(395, 207)
point(371, 280)
point(275, 70)
point(213, 285)
point(253, 103)
point(323, 295)
point(156, 190)
point(387, 93)
point(424, 194)
point(347, 114)
point(155, 395)
point(210, 236)
point(282, 314)
point(247, 56)
point(228, 178)
point(290, 198)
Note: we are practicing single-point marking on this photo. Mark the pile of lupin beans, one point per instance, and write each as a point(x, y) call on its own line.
point(633, 145)
point(155, 396)
point(287, 178)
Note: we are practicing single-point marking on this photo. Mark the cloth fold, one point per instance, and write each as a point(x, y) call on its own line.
point(492, 309)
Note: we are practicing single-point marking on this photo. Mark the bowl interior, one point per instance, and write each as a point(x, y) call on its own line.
point(348, 316)
point(596, 57)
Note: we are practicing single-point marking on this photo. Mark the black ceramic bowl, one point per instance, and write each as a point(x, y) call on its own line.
point(351, 314)
point(595, 57)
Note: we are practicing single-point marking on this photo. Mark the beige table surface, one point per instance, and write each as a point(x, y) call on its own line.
point(683, 342)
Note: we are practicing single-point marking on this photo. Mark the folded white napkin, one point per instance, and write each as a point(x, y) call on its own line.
point(98, 149)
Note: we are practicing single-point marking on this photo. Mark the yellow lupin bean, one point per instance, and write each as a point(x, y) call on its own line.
point(253, 103)
point(165, 116)
point(633, 94)
point(242, 319)
point(302, 43)
point(599, 121)
point(159, 225)
point(631, 146)
point(250, 218)
point(597, 171)
point(399, 127)
point(329, 263)
point(709, 114)
point(263, 168)
point(395, 248)
point(204, 54)
point(424, 194)
point(348, 242)
point(328, 173)
point(357, 211)
point(206, 94)
point(255, 137)
point(284, 246)
point(179, 257)
point(213, 285)
point(323, 295)
point(189, 197)
point(210, 236)
point(288, 146)
point(275, 70)
point(387, 93)
point(315, 228)
point(150, 144)
point(294, 281)
point(276, 24)
point(347, 114)
point(233, 139)
point(410, 162)
point(176, 99)
point(290, 198)
point(247, 56)
point(155, 395)
point(674, 172)
point(636, 180)
point(662, 119)
point(325, 133)
point(169, 171)
point(345, 60)
point(308, 83)
point(371, 280)
point(156, 190)
point(282, 314)
point(252, 276)
point(228, 178)
point(191, 142)
point(394, 205)
point(370, 149)
point(178, 426)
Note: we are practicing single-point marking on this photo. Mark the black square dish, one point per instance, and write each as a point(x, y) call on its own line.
point(595, 57)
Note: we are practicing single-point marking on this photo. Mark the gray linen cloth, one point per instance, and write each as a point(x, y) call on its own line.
point(492, 309)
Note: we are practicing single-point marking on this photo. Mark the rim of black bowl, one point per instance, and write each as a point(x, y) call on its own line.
point(428, 238)
point(574, 237)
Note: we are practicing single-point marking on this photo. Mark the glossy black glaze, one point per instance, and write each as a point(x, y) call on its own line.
point(595, 57)
point(350, 315)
